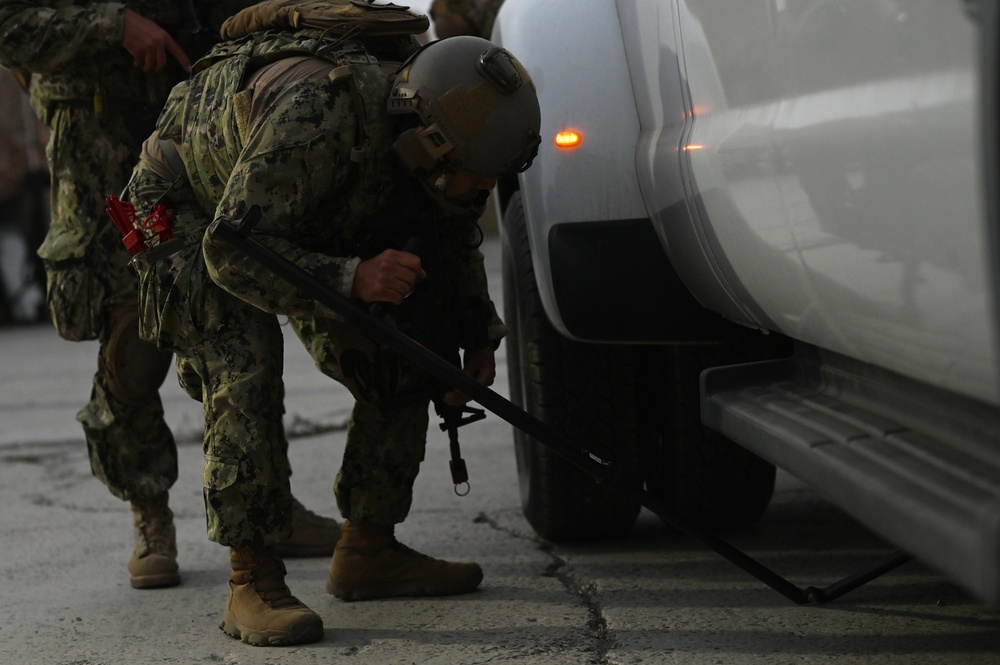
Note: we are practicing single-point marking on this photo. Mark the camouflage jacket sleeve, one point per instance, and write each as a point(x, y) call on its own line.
point(295, 164)
point(43, 38)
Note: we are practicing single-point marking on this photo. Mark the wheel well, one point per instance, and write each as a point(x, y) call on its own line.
point(506, 188)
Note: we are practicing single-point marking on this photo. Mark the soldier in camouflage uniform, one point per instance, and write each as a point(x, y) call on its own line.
point(464, 17)
point(298, 122)
point(99, 74)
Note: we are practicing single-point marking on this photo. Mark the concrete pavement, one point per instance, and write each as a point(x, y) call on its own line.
point(64, 540)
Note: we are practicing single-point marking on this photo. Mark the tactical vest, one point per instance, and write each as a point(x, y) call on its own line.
point(360, 41)
point(354, 65)
point(393, 209)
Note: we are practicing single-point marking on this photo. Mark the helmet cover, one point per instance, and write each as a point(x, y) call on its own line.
point(477, 108)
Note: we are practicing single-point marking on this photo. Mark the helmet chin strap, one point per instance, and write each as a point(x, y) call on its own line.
point(432, 172)
point(440, 182)
point(435, 184)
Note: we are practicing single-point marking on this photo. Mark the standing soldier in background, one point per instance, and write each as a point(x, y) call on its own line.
point(464, 17)
point(99, 74)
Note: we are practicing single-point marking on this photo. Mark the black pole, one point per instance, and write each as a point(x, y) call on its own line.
point(860, 578)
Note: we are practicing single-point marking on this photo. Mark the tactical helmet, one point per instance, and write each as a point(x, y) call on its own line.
point(477, 109)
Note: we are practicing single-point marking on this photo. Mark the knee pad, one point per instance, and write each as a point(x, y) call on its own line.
point(133, 369)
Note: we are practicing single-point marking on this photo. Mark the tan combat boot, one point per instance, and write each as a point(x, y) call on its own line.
point(260, 610)
point(312, 534)
point(154, 560)
point(370, 563)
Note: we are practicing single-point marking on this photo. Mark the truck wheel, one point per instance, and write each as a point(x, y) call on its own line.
point(701, 475)
point(585, 391)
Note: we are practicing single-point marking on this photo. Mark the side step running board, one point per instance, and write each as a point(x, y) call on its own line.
point(919, 466)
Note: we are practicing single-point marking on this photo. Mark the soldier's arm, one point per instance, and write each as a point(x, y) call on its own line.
point(149, 44)
point(42, 38)
point(295, 161)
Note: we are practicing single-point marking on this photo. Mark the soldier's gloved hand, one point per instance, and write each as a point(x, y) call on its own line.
point(480, 365)
point(150, 44)
point(387, 277)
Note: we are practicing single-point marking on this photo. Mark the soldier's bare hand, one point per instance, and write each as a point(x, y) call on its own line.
point(149, 44)
point(387, 277)
point(480, 365)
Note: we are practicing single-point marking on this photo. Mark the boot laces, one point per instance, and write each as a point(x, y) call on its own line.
point(268, 581)
point(155, 530)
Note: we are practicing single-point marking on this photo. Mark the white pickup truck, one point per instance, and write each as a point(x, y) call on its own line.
point(768, 234)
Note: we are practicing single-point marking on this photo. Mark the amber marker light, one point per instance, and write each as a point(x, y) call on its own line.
point(693, 147)
point(568, 138)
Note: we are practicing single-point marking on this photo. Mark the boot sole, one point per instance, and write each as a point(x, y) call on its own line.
point(155, 581)
point(270, 638)
point(374, 590)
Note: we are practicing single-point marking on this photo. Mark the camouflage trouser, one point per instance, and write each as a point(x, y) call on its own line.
point(131, 448)
point(246, 474)
point(385, 442)
point(230, 357)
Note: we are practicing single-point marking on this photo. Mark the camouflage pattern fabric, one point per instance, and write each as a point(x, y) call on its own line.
point(246, 473)
point(385, 444)
point(288, 148)
point(381, 460)
point(86, 264)
point(131, 448)
point(229, 357)
point(85, 87)
point(479, 14)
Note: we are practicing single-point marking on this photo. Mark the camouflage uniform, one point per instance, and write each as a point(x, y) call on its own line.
point(98, 106)
point(271, 123)
point(479, 14)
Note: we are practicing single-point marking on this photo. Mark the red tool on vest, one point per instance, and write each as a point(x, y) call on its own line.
point(122, 213)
